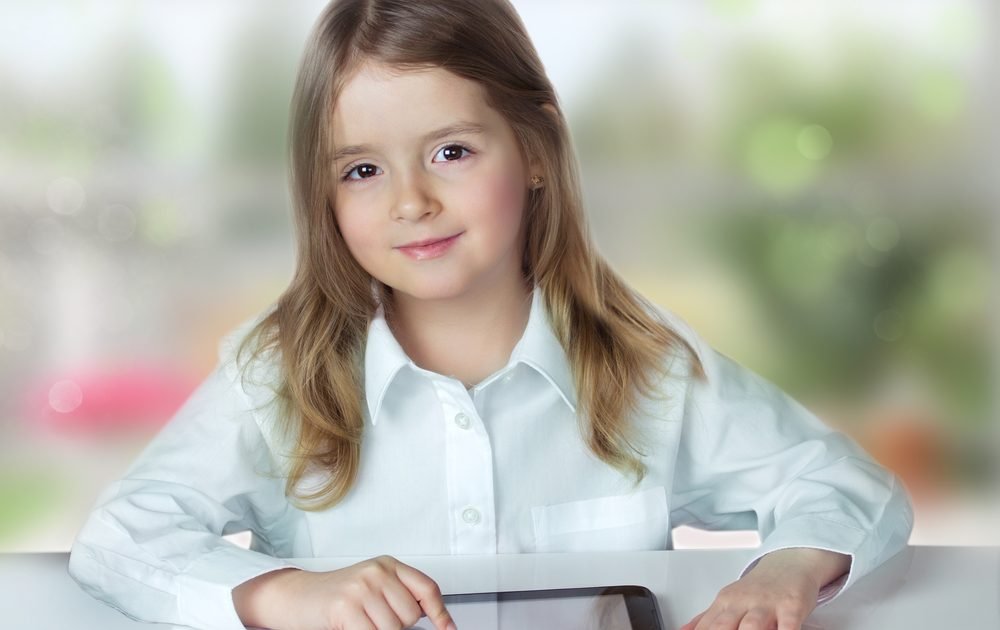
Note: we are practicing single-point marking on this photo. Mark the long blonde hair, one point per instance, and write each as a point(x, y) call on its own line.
point(318, 327)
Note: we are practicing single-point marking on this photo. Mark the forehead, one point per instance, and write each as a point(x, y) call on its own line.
point(378, 103)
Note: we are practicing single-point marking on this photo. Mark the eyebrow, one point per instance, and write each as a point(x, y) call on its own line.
point(457, 128)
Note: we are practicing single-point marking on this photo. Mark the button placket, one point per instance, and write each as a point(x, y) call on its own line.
point(469, 470)
point(471, 516)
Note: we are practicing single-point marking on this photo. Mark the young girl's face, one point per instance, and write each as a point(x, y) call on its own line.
point(430, 184)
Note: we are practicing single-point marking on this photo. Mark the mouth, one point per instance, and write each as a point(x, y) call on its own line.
point(429, 248)
point(426, 242)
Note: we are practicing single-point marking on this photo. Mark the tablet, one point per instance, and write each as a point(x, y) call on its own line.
point(596, 608)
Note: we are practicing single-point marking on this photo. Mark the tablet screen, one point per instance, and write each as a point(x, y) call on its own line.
point(601, 608)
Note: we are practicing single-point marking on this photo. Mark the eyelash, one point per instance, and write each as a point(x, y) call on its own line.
point(346, 175)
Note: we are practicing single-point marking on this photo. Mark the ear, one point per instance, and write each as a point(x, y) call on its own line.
point(534, 166)
point(532, 169)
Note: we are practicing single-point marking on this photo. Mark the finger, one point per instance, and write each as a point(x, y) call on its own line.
point(791, 619)
point(758, 619)
point(725, 620)
point(355, 618)
point(380, 613)
point(428, 595)
point(402, 602)
point(707, 619)
point(694, 621)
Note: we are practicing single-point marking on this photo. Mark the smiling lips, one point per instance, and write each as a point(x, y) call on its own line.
point(427, 249)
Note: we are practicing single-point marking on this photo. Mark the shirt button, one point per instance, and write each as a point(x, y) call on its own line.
point(462, 421)
point(471, 516)
point(506, 377)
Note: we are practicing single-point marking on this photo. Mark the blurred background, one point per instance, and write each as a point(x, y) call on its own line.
point(810, 184)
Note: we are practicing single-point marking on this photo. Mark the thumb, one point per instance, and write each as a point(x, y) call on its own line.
point(428, 595)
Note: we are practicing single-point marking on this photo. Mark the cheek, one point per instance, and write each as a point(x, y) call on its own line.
point(506, 197)
point(356, 231)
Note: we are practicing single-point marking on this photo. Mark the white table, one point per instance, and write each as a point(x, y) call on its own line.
point(922, 587)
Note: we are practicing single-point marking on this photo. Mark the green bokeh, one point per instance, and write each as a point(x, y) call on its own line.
point(27, 498)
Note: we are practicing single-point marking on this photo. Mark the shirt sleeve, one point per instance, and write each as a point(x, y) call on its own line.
point(752, 457)
point(152, 547)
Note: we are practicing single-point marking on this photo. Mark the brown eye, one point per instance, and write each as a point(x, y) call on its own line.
point(452, 152)
point(363, 171)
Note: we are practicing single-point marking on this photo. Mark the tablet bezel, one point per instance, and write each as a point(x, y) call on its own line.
point(640, 602)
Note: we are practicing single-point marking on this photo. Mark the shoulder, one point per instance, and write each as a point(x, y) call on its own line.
point(257, 374)
point(231, 342)
point(703, 371)
point(713, 381)
point(256, 378)
point(690, 351)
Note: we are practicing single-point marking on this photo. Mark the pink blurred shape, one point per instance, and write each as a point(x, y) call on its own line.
point(139, 396)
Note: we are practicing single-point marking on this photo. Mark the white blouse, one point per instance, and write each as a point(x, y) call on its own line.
point(500, 468)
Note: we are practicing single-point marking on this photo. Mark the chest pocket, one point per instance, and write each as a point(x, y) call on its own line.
point(638, 521)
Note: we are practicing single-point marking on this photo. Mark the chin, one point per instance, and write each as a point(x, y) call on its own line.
point(433, 289)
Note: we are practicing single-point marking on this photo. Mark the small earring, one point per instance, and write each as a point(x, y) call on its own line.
point(536, 182)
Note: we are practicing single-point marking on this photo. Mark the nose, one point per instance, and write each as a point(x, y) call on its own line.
point(414, 198)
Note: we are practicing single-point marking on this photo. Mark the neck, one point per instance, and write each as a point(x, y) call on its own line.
point(468, 337)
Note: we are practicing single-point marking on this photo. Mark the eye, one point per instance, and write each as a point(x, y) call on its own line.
point(364, 171)
point(452, 152)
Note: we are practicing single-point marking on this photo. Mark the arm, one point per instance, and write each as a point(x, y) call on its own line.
point(780, 591)
point(381, 592)
point(752, 457)
point(153, 547)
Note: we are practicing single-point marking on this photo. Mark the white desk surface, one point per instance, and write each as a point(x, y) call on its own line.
point(922, 587)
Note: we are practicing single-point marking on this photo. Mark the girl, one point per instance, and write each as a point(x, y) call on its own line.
point(454, 370)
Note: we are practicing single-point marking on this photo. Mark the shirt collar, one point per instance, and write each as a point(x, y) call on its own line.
point(538, 348)
point(384, 357)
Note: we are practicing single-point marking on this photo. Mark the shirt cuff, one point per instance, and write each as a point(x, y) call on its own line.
point(205, 588)
point(819, 533)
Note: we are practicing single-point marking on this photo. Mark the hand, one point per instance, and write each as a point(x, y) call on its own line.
point(377, 594)
point(778, 593)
